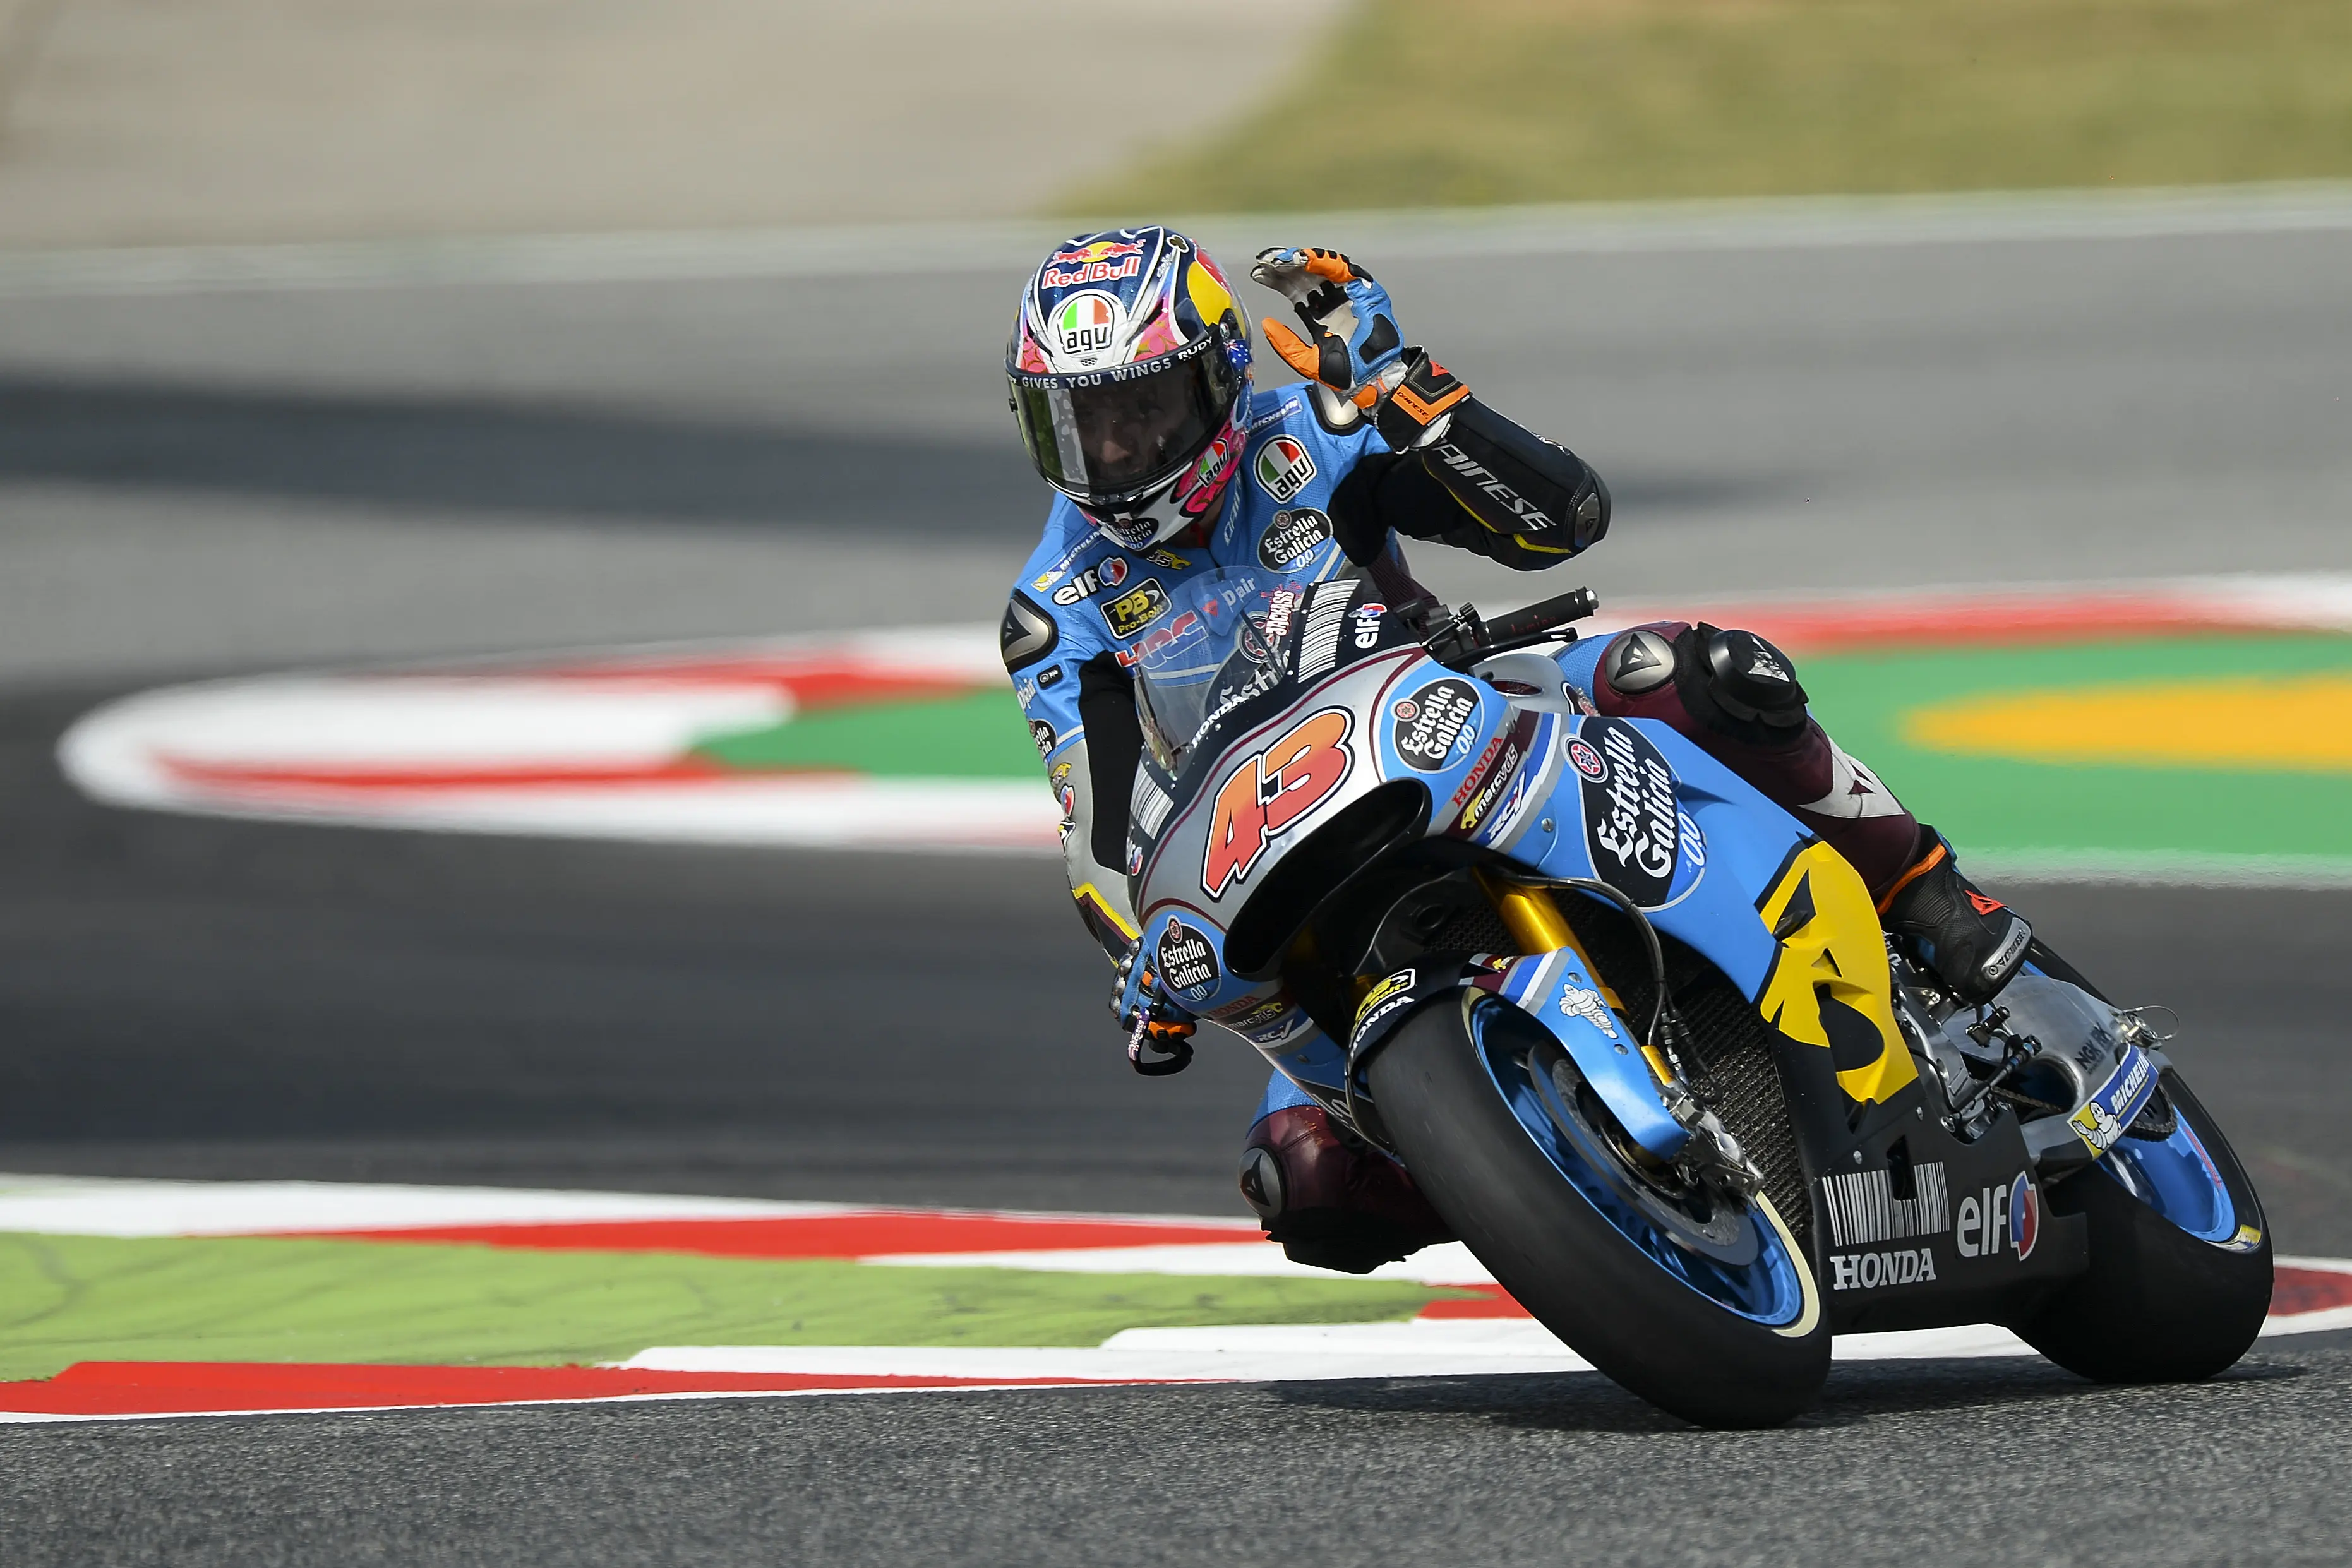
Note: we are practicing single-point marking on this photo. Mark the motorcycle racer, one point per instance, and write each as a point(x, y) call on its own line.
point(1129, 370)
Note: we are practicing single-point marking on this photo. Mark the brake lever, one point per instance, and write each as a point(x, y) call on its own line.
point(1463, 638)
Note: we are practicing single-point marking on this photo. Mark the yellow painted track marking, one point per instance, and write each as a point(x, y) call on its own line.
point(2297, 723)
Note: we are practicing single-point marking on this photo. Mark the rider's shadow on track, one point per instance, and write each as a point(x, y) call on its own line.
point(1857, 1394)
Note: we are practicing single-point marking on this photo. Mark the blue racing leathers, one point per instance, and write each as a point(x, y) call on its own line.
point(1319, 493)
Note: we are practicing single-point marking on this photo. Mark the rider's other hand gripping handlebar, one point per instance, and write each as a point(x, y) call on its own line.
point(1152, 1022)
point(1461, 639)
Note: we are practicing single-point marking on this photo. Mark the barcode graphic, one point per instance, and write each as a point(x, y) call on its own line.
point(1326, 612)
point(1147, 808)
point(1862, 1208)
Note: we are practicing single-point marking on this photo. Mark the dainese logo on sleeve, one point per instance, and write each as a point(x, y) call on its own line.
point(1284, 467)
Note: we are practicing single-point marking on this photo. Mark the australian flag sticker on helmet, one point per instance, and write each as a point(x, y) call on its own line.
point(1188, 961)
point(1632, 826)
point(1284, 466)
point(2024, 1216)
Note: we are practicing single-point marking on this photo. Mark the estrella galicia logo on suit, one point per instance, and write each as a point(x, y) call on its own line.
point(1130, 613)
point(1284, 466)
point(1292, 537)
point(1042, 734)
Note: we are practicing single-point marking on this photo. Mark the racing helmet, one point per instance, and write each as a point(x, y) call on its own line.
point(1127, 365)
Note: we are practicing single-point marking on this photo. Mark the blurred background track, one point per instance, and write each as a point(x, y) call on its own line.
point(131, 122)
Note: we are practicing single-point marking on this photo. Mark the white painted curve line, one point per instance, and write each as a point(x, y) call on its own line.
point(67, 1206)
point(906, 250)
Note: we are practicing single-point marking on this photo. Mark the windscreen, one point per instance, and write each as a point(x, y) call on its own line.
point(1232, 631)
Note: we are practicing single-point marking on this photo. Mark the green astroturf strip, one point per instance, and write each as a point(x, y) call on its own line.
point(65, 1299)
point(2002, 805)
point(980, 736)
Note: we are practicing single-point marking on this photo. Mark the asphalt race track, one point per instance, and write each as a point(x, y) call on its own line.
point(337, 476)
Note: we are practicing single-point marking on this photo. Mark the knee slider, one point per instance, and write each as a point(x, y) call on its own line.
point(1638, 660)
point(1750, 679)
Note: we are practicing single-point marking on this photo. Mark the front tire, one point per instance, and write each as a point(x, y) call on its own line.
point(1474, 1096)
point(2180, 1259)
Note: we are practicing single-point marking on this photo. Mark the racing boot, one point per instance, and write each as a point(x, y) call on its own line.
point(1333, 1200)
point(1975, 944)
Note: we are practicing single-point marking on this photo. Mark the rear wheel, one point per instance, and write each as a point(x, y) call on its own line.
point(1691, 1295)
point(2180, 1259)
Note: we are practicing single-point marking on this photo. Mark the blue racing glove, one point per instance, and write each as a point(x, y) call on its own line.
point(1356, 351)
point(1352, 326)
point(1151, 1020)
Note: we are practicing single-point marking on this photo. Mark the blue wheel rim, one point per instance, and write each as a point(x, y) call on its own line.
point(1753, 1277)
point(2178, 1179)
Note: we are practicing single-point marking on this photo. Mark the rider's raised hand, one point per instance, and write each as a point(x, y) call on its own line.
point(1351, 332)
point(1354, 348)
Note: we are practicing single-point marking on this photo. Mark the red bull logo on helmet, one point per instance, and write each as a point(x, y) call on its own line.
point(1096, 250)
point(1103, 269)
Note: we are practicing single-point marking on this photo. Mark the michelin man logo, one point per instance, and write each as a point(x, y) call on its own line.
point(1580, 1000)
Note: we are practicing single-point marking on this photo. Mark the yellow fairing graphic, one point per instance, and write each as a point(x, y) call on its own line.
point(1830, 976)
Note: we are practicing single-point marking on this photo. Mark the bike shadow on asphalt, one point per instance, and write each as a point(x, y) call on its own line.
point(1857, 1393)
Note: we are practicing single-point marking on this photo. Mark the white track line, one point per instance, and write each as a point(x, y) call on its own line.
point(1578, 228)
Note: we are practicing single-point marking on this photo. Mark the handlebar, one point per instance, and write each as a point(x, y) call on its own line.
point(1460, 640)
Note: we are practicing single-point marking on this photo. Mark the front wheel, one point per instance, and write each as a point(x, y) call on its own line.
point(2180, 1259)
point(1690, 1295)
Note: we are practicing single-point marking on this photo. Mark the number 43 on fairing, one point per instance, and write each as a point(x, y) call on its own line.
point(1271, 791)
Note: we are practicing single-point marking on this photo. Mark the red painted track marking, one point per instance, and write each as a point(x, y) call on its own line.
point(1944, 623)
point(1492, 1301)
point(866, 1235)
point(2298, 1290)
point(813, 684)
point(688, 769)
point(182, 1387)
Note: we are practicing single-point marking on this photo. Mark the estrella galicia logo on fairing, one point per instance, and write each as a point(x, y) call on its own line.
point(1284, 466)
point(1188, 963)
point(1430, 722)
point(1130, 613)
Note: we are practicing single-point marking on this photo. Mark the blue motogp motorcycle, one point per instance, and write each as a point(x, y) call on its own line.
point(1634, 1031)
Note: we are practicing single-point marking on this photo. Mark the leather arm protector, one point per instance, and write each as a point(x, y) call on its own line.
point(1102, 778)
point(1483, 483)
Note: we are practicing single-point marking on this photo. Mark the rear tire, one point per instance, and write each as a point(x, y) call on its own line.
point(2158, 1304)
point(1438, 1092)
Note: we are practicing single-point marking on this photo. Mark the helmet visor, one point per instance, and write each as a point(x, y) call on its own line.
point(1110, 435)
